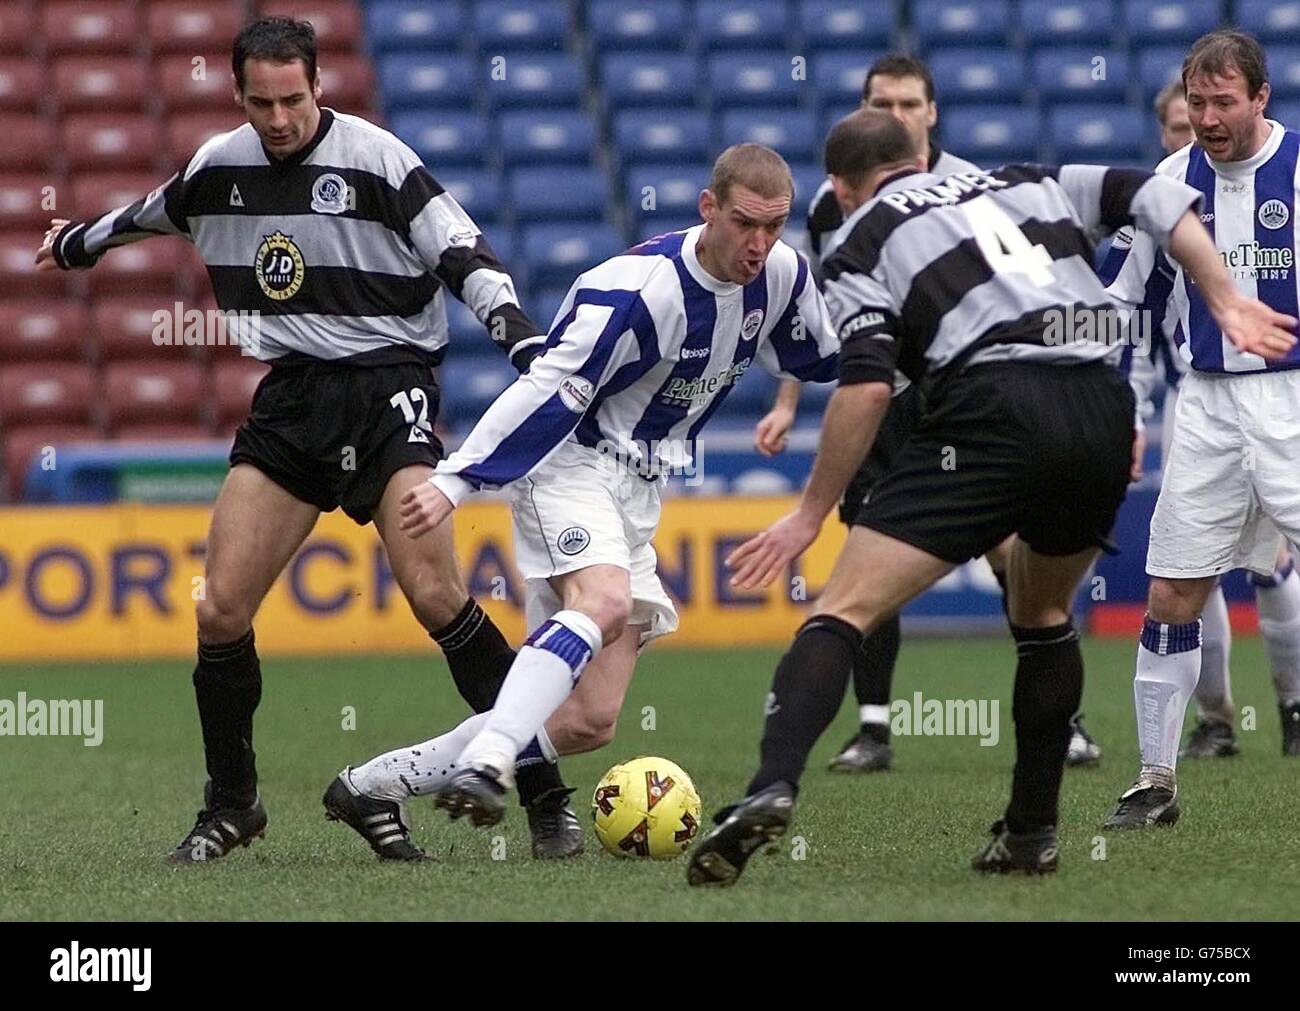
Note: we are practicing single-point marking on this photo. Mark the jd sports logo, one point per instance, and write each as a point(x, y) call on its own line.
point(279, 266)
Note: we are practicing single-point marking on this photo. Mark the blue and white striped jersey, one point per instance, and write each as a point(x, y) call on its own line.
point(1249, 209)
point(642, 352)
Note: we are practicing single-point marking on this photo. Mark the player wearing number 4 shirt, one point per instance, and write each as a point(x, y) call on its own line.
point(962, 283)
point(331, 235)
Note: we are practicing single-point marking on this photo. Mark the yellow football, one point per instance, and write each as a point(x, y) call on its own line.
point(647, 807)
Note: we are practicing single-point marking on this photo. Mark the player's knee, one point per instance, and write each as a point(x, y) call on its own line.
point(609, 608)
point(222, 620)
point(436, 605)
point(1175, 601)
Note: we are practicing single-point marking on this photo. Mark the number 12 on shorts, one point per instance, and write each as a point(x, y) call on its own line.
point(405, 402)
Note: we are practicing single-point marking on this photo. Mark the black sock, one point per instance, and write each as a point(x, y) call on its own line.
point(480, 659)
point(806, 694)
point(1049, 686)
point(873, 672)
point(228, 687)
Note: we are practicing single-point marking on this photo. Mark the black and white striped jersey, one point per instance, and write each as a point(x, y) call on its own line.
point(932, 275)
point(345, 249)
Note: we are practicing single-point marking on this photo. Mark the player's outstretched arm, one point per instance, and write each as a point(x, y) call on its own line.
point(70, 245)
point(45, 255)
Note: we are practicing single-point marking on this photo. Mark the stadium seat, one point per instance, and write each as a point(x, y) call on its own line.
point(618, 25)
point(1081, 75)
point(550, 194)
point(28, 201)
point(503, 25)
point(188, 26)
point(123, 327)
point(171, 391)
point(649, 79)
point(233, 385)
point(661, 135)
point(1270, 20)
point(195, 81)
point(103, 141)
point(1097, 133)
point(101, 84)
point(17, 28)
point(665, 191)
point(149, 266)
point(444, 138)
point(470, 384)
point(463, 327)
point(1157, 66)
point(1067, 22)
point(991, 134)
point(792, 132)
point(18, 273)
point(480, 193)
point(808, 177)
point(847, 24)
point(347, 83)
point(838, 77)
point(22, 85)
point(1284, 71)
point(503, 244)
point(1166, 22)
point(948, 23)
point(977, 75)
point(744, 24)
point(21, 446)
point(46, 393)
point(533, 79)
point(337, 22)
point(753, 78)
point(99, 192)
point(419, 80)
point(545, 303)
point(414, 25)
point(187, 132)
point(41, 331)
point(29, 143)
point(90, 26)
point(556, 254)
point(559, 135)
point(163, 431)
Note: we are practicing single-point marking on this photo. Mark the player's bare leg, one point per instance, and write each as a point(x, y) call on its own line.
point(256, 527)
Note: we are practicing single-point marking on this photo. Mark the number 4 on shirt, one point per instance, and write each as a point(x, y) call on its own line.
point(1004, 245)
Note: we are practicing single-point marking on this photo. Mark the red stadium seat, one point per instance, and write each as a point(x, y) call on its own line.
point(158, 432)
point(183, 84)
point(18, 273)
point(111, 142)
point(101, 84)
point(137, 392)
point(22, 85)
point(42, 331)
point(347, 82)
point(29, 143)
point(91, 26)
point(124, 327)
point(28, 201)
point(93, 195)
point(188, 132)
point(21, 444)
point(47, 392)
point(191, 25)
point(234, 383)
point(16, 28)
point(150, 266)
point(337, 22)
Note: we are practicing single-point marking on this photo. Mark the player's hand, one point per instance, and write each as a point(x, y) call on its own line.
point(762, 558)
point(45, 255)
point(1255, 328)
point(1139, 451)
point(423, 508)
point(770, 434)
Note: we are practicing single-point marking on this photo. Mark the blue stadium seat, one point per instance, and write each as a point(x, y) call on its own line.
point(414, 25)
point(464, 327)
point(502, 25)
point(1270, 20)
point(552, 194)
point(425, 79)
point(444, 137)
point(1067, 22)
point(1102, 133)
point(838, 77)
point(1284, 71)
point(650, 79)
point(949, 23)
point(991, 134)
point(1081, 75)
point(1157, 66)
point(661, 135)
point(808, 177)
point(665, 191)
point(534, 79)
point(1165, 22)
point(478, 192)
point(556, 254)
point(1286, 113)
point(741, 24)
point(502, 241)
point(543, 303)
point(844, 24)
point(753, 78)
point(977, 75)
point(624, 24)
point(470, 384)
point(792, 132)
point(560, 135)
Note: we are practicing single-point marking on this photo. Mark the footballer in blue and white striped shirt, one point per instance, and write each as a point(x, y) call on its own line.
point(642, 352)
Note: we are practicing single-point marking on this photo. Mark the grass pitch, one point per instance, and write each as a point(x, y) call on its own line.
point(85, 829)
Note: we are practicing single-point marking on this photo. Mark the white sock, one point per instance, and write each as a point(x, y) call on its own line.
point(543, 675)
point(1214, 689)
point(873, 714)
point(1168, 667)
point(1279, 623)
point(419, 770)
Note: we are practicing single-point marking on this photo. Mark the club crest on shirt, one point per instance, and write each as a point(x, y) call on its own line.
point(329, 194)
point(573, 541)
point(575, 394)
point(1273, 214)
point(751, 324)
point(279, 266)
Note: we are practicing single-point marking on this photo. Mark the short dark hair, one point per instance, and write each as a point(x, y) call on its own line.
point(279, 40)
point(899, 65)
point(1228, 51)
point(863, 141)
point(753, 166)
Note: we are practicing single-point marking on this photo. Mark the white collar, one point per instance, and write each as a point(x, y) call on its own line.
point(1247, 166)
point(696, 269)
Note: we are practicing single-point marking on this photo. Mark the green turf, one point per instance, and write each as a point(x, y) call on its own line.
point(84, 829)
